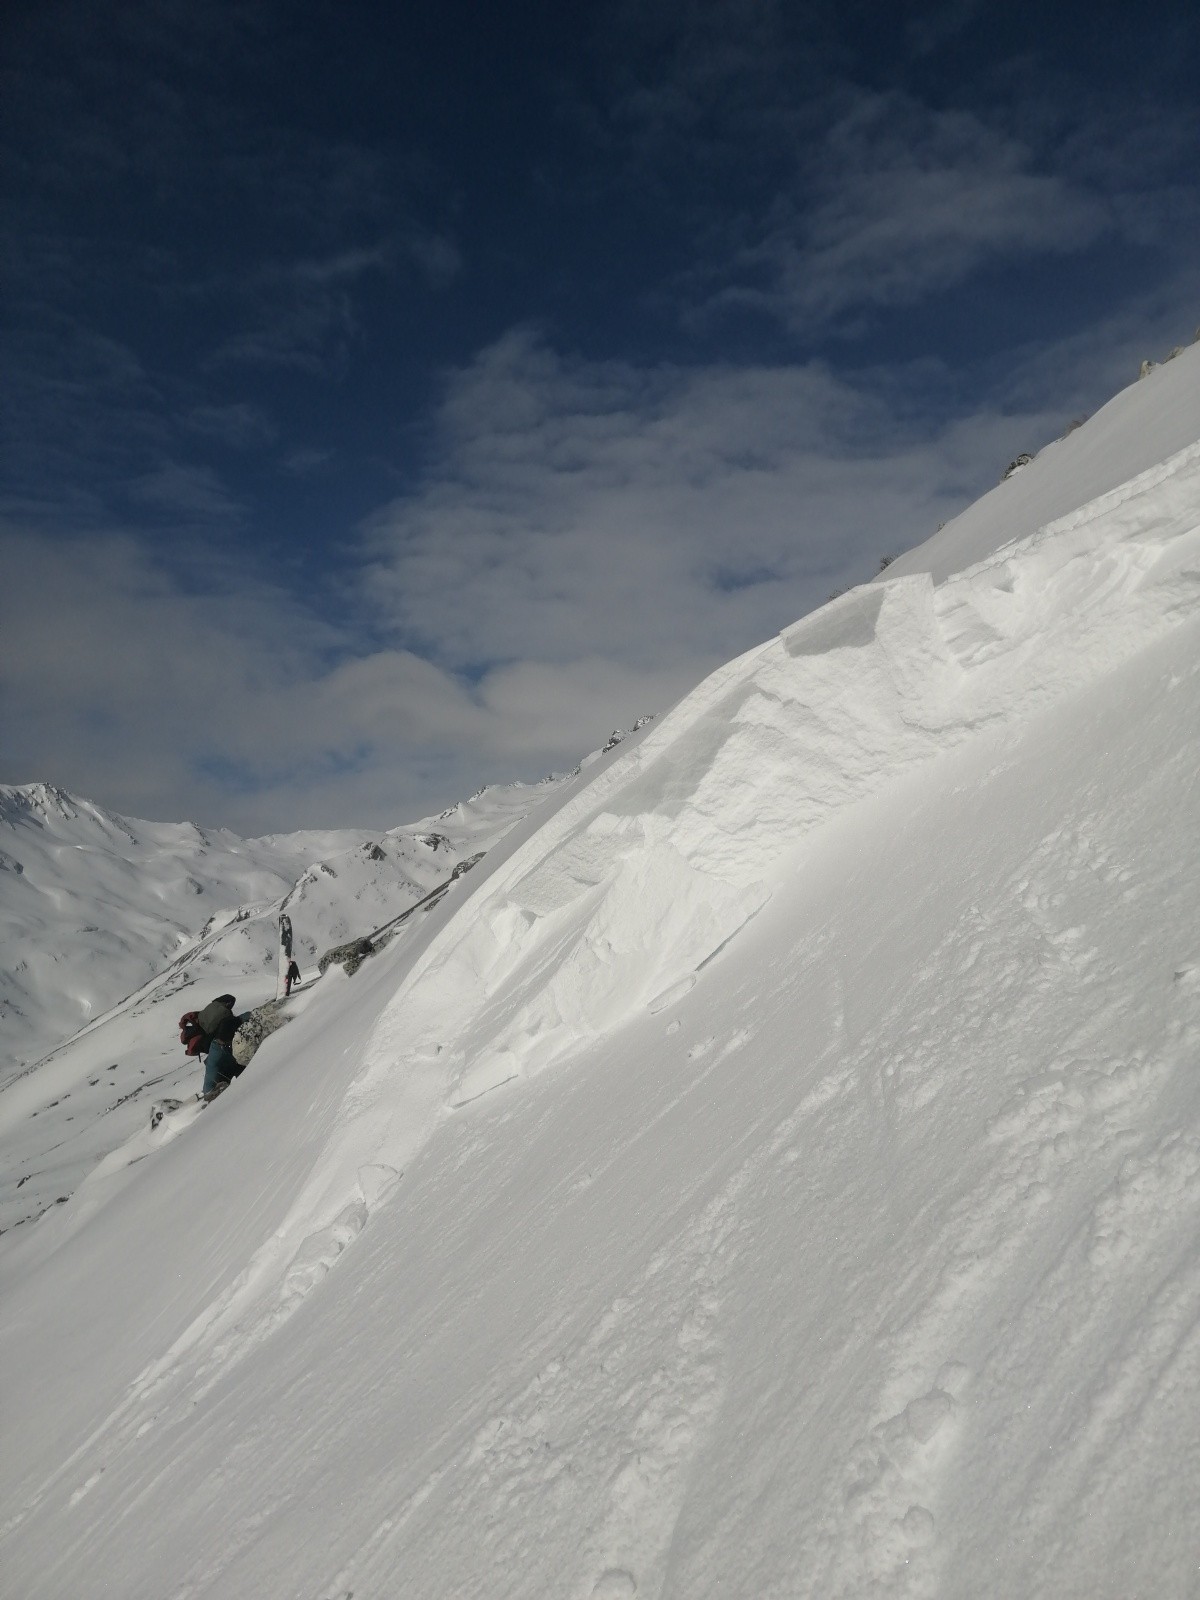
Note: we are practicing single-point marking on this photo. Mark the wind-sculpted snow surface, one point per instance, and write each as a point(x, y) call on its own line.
point(621, 898)
point(776, 1172)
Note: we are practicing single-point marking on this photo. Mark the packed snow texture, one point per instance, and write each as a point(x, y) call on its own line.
point(775, 1171)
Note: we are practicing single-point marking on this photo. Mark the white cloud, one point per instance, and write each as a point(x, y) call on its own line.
point(186, 491)
point(642, 516)
point(138, 688)
point(590, 539)
point(304, 313)
point(542, 706)
point(899, 201)
point(237, 425)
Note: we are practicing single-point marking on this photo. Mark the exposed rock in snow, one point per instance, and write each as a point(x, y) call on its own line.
point(349, 956)
point(1015, 465)
point(263, 1021)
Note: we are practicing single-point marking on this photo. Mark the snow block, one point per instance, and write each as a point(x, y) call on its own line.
point(846, 623)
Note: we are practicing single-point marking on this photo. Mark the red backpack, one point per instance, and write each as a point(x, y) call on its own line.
point(191, 1036)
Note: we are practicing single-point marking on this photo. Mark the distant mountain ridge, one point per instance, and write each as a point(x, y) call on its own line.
point(93, 904)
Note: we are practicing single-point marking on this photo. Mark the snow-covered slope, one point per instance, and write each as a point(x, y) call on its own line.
point(1146, 423)
point(93, 905)
point(94, 921)
point(775, 1170)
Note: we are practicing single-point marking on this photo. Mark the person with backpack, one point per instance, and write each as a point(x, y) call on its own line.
point(218, 1024)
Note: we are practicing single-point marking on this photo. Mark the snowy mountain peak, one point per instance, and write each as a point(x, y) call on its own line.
point(36, 799)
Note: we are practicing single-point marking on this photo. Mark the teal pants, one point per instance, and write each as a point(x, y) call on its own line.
point(219, 1066)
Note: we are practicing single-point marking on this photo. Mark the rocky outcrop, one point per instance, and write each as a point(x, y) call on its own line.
point(261, 1022)
point(348, 956)
point(351, 956)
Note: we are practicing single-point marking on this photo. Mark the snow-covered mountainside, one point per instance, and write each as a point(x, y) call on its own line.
point(93, 905)
point(96, 915)
point(774, 1170)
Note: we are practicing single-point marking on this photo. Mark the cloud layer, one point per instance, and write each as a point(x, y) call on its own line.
point(390, 409)
point(590, 538)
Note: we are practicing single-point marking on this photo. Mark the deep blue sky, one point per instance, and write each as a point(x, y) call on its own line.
point(397, 398)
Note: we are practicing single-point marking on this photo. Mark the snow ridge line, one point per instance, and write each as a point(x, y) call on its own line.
point(726, 788)
point(641, 877)
point(1112, 500)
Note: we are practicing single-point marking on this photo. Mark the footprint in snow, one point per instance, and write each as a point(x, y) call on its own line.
point(320, 1250)
point(918, 1526)
point(614, 1584)
point(892, 1472)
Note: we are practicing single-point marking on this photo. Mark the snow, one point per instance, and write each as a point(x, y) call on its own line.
point(773, 1170)
point(111, 907)
point(1143, 425)
point(97, 903)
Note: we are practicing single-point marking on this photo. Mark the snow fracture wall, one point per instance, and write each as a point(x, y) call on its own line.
point(619, 901)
